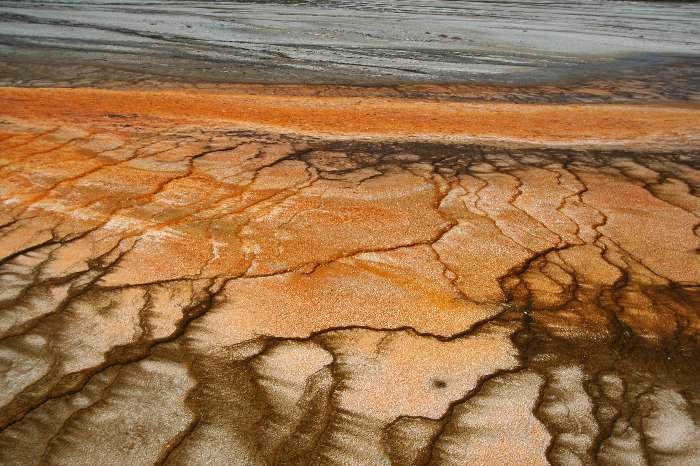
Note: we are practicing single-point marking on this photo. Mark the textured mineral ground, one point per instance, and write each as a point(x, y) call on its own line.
point(429, 270)
point(182, 286)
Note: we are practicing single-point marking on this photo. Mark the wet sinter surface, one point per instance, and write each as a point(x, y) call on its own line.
point(357, 42)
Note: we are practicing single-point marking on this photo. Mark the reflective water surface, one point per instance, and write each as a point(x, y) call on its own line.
point(353, 41)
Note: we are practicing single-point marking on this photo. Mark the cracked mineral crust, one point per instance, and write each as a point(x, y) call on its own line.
point(208, 278)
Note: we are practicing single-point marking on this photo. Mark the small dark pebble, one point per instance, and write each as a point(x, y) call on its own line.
point(439, 383)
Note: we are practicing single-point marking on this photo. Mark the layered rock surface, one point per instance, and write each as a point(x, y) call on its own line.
point(203, 294)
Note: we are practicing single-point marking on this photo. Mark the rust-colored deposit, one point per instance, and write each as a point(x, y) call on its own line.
point(569, 124)
point(178, 288)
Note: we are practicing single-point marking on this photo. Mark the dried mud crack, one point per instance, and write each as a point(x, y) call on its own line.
point(193, 290)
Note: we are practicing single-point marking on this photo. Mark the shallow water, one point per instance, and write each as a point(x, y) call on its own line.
point(354, 41)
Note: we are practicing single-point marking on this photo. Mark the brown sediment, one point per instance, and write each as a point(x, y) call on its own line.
point(660, 83)
point(178, 288)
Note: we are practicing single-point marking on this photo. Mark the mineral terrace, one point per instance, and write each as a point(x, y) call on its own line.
point(192, 277)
